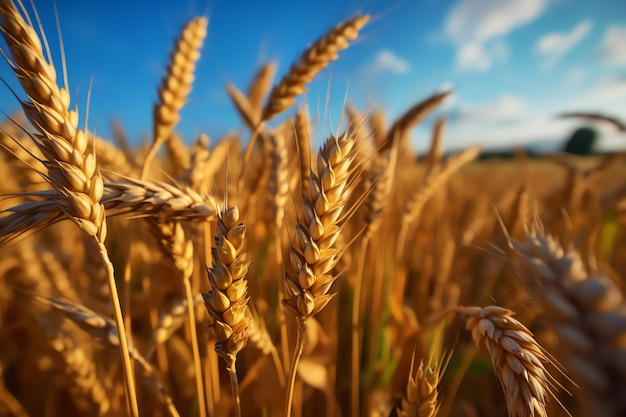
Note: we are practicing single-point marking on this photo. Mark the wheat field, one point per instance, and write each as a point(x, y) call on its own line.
point(260, 276)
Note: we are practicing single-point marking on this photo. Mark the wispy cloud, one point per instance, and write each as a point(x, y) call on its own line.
point(555, 45)
point(477, 28)
point(613, 46)
point(387, 61)
point(504, 108)
point(504, 121)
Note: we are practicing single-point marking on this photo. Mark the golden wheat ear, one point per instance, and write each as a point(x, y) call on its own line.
point(313, 60)
point(588, 312)
point(422, 392)
point(176, 85)
point(227, 300)
point(104, 330)
point(518, 360)
point(71, 169)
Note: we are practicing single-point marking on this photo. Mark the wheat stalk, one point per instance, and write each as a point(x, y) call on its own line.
point(174, 244)
point(517, 359)
point(313, 60)
point(313, 253)
point(227, 301)
point(70, 169)
point(378, 182)
point(130, 198)
point(176, 84)
point(105, 331)
point(587, 311)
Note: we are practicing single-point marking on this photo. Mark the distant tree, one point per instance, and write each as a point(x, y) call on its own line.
point(582, 142)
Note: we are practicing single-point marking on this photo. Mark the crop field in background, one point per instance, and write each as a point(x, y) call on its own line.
point(263, 276)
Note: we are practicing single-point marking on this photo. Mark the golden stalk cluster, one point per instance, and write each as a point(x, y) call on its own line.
point(332, 274)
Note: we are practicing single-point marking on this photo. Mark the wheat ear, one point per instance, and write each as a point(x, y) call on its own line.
point(176, 84)
point(413, 116)
point(422, 392)
point(313, 60)
point(86, 388)
point(416, 202)
point(70, 169)
point(260, 85)
point(313, 253)
point(105, 331)
point(173, 242)
point(517, 358)
point(131, 199)
point(227, 301)
point(587, 311)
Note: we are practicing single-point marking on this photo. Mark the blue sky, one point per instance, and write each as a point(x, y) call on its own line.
point(513, 64)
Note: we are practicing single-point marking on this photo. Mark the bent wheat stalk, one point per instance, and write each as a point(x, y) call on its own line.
point(587, 311)
point(105, 331)
point(518, 360)
point(130, 199)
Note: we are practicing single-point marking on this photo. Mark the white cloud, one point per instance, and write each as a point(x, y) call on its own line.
point(503, 122)
point(556, 44)
point(613, 46)
point(387, 61)
point(505, 108)
point(483, 20)
point(477, 27)
point(472, 56)
point(609, 90)
point(511, 120)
